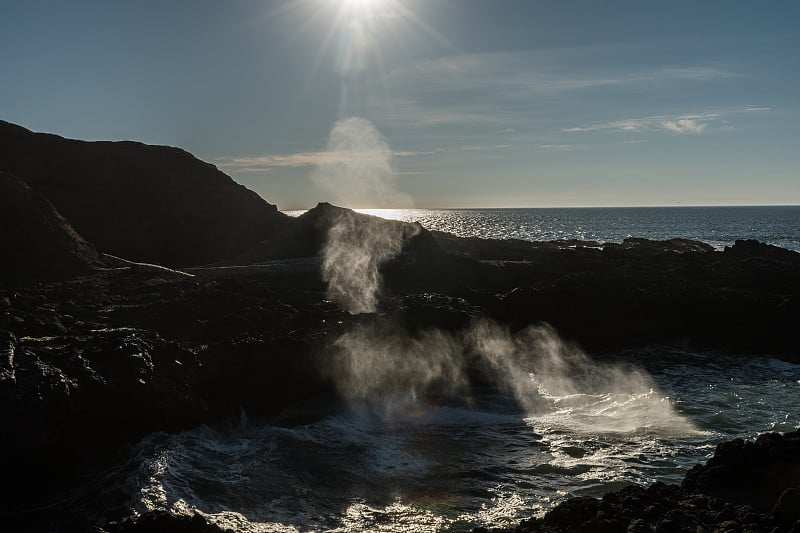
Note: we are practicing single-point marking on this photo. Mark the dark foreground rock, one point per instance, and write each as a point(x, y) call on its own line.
point(751, 473)
point(91, 366)
point(746, 486)
point(158, 522)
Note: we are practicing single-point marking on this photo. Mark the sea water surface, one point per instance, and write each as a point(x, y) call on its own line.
point(719, 226)
point(408, 465)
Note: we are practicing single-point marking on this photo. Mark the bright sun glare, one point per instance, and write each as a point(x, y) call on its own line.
point(363, 8)
point(361, 4)
point(355, 33)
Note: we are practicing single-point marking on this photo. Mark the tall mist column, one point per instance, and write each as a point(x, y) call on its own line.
point(359, 173)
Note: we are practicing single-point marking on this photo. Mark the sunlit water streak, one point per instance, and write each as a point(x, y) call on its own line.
point(408, 465)
point(719, 226)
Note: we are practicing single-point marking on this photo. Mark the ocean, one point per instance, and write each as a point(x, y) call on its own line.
point(400, 463)
point(718, 226)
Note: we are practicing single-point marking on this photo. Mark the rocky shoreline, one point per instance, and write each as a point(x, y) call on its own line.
point(132, 309)
point(92, 365)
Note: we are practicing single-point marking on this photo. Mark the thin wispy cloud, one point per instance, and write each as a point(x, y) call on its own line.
point(503, 89)
point(681, 124)
point(685, 125)
point(478, 148)
point(266, 163)
point(676, 123)
point(524, 74)
point(412, 173)
point(558, 147)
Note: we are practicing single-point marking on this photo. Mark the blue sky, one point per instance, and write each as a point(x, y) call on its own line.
point(481, 103)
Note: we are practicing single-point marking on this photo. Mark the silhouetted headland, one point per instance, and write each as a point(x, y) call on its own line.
point(154, 204)
point(101, 346)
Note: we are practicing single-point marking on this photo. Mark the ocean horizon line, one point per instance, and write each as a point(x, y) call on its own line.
point(626, 206)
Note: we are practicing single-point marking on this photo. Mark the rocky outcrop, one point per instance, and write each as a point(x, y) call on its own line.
point(746, 486)
point(755, 473)
point(97, 362)
point(637, 292)
point(307, 234)
point(90, 366)
point(36, 242)
point(145, 203)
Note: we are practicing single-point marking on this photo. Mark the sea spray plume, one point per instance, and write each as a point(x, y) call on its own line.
point(536, 358)
point(355, 248)
point(508, 364)
point(358, 171)
point(555, 382)
point(373, 362)
point(546, 374)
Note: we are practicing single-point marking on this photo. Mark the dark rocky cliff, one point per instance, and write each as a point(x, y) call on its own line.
point(36, 242)
point(145, 203)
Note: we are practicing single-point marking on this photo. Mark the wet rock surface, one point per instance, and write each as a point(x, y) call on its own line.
point(752, 473)
point(158, 522)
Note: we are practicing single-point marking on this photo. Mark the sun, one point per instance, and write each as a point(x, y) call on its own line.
point(354, 35)
point(363, 8)
point(361, 4)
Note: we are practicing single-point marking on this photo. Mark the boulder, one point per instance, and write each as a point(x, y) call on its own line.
point(752, 473)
